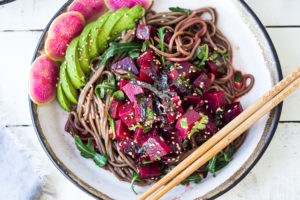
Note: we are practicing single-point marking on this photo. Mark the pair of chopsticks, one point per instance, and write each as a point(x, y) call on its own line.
point(225, 136)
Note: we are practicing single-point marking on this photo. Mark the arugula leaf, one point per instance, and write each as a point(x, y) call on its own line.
point(183, 123)
point(133, 54)
point(212, 165)
point(238, 77)
point(105, 86)
point(161, 36)
point(117, 48)
point(112, 126)
point(135, 178)
point(192, 178)
point(119, 95)
point(145, 46)
point(187, 12)
point(199, 125)
point(88, 151)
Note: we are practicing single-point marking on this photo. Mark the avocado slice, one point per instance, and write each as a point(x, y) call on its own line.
point(83, 48)
point(95, 30)
point(128, 21)
point(73, 67)
point(62, 99)
point(69, 90)
point(104, 38)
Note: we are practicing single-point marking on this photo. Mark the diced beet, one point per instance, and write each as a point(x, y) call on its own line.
point(173, 74)
point(144, 76)
point(168, 36)
point(172, 116)
point(191, 100)
point(138, 110)
point(138, 133)
point(126, 64)
point(130, 147)
point(217, 67)
point(215, 101)
point(205, 112)
point(122, 83)
point(202, 82)
point(114, 108)
point(210, 130)
point(232, 111)
point(146, 57)
point(126, 113)
point(132, 90)
point(121, 130)
point(149, 170)
point(145, 32)
point(148, 135)
point(191, 117)
point(174, 140)
point(190, 71)
point(156, 148)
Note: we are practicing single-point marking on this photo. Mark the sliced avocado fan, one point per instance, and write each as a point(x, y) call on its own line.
point(62, 99)
point(68, 89)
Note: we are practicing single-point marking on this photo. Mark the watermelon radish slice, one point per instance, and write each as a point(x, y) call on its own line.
point(61, 32)
point(117, 4)
point(42, 80)
point(90, 9)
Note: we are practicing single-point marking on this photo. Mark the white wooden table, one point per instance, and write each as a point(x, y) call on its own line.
point(277, 174)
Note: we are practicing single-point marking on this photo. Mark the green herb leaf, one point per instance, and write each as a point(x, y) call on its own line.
point(133, 54)
point(218, 63)
point(146, 162)
point(161, 36)
point(199, 125)
point(183, 123)
point(238, 77)
point(117, 48)
point(147, 129)
point(103, 87)
point(119, 95)
point(187, 12)
point(112, 126)
point(145, 45)
point(199, 91)
point(157, 157)
point(135, 178)
point(193, 178)
point(149, 113)
point(212, 165)
point(135, 126)
point(88, 151)
point(185, 144)
point(221, 70)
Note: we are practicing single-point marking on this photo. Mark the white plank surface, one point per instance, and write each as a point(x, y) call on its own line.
point(276, 176)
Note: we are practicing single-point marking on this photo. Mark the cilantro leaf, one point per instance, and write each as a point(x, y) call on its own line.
point(183, 123)
point(119, 95)
point(199, 125)
point(88, 151)
point(135, 178)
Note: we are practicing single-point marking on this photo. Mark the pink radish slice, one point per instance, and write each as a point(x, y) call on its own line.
point(90, 9)
point(61, 32)
point(117, 4)
point(42, 80)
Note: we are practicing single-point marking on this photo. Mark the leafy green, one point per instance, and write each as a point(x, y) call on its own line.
point(117, 48)
point(199, 125)
point(238, 77)
point(119, 95)
point(145, 46)
point(88, 151)
point(199, 91)
point(218, 63)
point(133, 54)
point(161, 35)
point(221, 70)
point(185, 144)
point(157, 157)
point(212, 165)
point(105, 86)
point(201, 53)
point(147, 129)
point(192, 178)
point(187, 12)
point(135, 178)
point(149, 113)
point(146, 162)
point(112, 126)
point(183, 123)
point(132, 128)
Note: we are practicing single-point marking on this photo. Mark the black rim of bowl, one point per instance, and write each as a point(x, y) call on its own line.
point(270, 135)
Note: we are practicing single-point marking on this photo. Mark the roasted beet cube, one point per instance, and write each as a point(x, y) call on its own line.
point(168, 36)
point(145, 32)
point(192, 100)
point(202, 82)
point(130, 147)
point(210, 130)
point(114, 108)
point(187, 71)
point(122, 83)
point(146, 57)
point(205, 112)
point(138, 133)
point(124, 66)
point(121, 129)
point(150, 170)
point(232, 111)
point(176, 113)
point(217, 67)
point(148, 135)
point(173, 74)
point(215, 101)
point(156, 148)
point(186, 122)
point(126, 113)
point(174, 140)
point(132, 90)
point(143, 72)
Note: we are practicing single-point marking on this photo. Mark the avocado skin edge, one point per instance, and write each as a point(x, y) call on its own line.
point(62, 99)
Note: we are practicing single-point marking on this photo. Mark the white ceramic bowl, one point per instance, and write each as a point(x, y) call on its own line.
point(253, 53)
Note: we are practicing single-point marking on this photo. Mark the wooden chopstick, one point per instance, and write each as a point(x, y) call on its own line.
point(204, 148)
